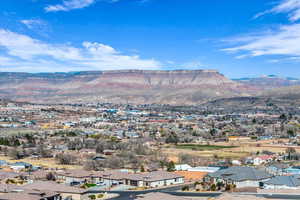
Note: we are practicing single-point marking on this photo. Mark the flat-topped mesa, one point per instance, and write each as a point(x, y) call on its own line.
point(138, 86)
point(178, 71)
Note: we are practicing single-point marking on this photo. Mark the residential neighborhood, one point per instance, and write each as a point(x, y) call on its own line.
point(99, 150)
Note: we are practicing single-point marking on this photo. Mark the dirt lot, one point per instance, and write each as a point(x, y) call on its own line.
point(242, 149)
point(45, 162)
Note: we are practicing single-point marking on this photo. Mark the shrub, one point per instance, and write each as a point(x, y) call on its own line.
point(185, 188)
point(213, 187)
point(92, 197)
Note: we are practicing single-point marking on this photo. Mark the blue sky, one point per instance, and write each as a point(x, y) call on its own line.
point(240, 38)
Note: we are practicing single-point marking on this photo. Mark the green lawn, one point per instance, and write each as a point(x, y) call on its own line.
point(199, 147)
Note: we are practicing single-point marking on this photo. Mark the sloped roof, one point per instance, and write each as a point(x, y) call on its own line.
point(52, 186)
point(239, 173)
point(154, 176)
point(290, 181)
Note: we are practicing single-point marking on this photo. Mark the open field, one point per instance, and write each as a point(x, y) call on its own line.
point(234, 150)
point(44, 162)
point(199, 147)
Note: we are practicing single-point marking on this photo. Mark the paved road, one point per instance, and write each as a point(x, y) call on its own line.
point(131, 195)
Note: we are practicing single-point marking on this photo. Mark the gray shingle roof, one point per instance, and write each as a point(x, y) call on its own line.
point(290, 181)
point(240, 174)
point(153, 176)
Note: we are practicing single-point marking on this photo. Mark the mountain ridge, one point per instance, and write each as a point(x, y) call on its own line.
point(128, 86)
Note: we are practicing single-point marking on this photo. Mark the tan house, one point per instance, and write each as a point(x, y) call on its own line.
point(64, 190)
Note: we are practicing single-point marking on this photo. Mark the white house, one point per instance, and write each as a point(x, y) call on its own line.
point(262, 159)
point(154, 179)
point(183, 167)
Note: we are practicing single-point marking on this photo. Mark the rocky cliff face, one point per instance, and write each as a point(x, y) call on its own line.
point(121, 86)
point(269, 82)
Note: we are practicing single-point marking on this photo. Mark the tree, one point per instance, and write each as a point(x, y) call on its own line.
point(142, 168)
point(171, 166)
point(185, 188)
point(43, 152)
point(66, 159)
point(283, 117)
point(172, 138)
point(213, 132)
point(100, 147)
point(291, 133)
point(290, 151)
point(14, 153)
point(50, 176)
point(213, 187)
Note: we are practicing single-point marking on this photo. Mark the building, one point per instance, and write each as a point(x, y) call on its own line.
point(282, 182)
point(238, 176)
point(77, 176)
point(13, 192)
point(204, 169)
point(154, 179)
point(20, 166)
point(66, 192)
point(30, 195)
point(182, 167)
point(263, 159)
point(278, 169)
point(113, 177)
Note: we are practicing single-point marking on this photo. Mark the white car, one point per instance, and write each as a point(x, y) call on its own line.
point(100, 184)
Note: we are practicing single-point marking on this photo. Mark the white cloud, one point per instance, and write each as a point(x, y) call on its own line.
point(25, 47)
point(68, 5)
point(284, 41)
point(32, 23)
point(39, 26)
point(21, 51)
point(292, 7)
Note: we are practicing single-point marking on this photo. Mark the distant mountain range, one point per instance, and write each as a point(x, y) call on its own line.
point(134, 86)
point(269, 81)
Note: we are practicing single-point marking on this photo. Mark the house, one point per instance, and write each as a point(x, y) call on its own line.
point(108, 152)
point(77, 176)
point(30, 195)
point(204, 169)
point(278, 169)
point(282, 182)
point(20, 166)
point(66, 192)
point(13, 192)
point(263, 159)
point(238, 138)
point(295, 170)
point(238, 176)
point(3, 163)
point(183, 167)
point(113, 177)
point(154, 179)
